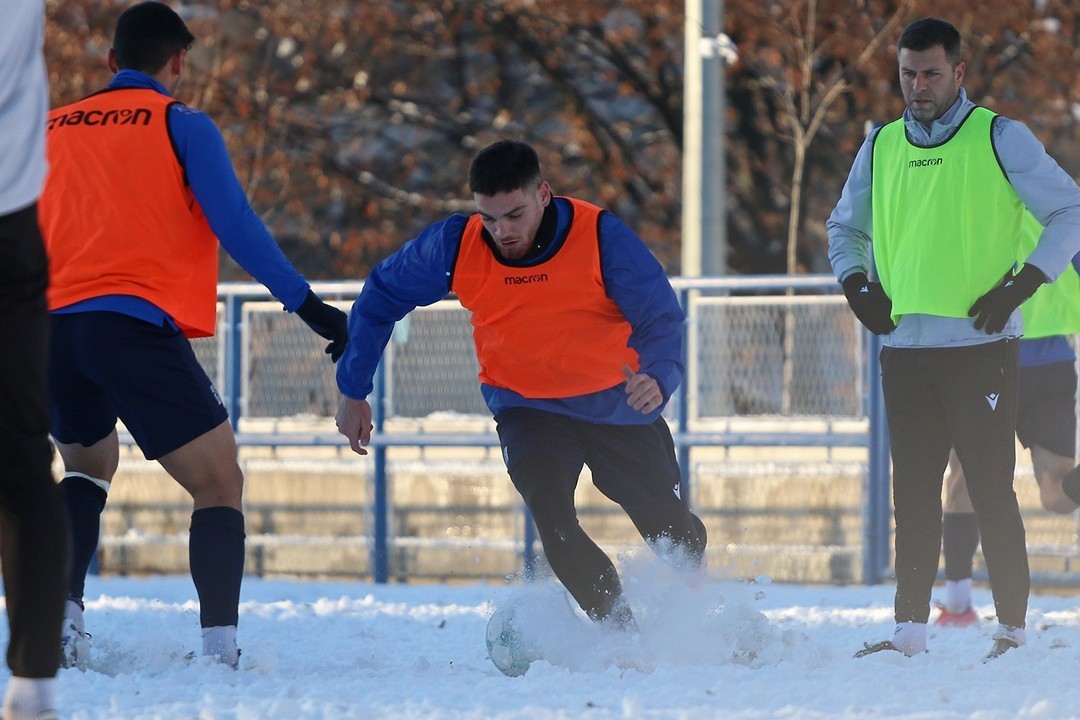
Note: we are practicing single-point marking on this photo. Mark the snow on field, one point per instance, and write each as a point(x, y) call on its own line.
point(353, 650)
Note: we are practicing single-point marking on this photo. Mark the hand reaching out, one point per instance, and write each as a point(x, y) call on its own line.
point(354, 422)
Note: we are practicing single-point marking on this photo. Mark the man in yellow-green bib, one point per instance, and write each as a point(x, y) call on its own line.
point(937, 203)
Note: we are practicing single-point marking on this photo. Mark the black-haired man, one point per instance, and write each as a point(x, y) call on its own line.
point(579, 337)
point(952, 189)
point(140, 192)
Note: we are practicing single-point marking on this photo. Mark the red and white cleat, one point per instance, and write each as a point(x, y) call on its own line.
point(951, 619)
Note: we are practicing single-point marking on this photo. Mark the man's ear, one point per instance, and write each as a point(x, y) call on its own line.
point(177, 61)
point(544, 193)
point(113, 65)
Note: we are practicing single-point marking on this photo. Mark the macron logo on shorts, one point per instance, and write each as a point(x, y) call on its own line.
point(217, 396)
point(992, 398)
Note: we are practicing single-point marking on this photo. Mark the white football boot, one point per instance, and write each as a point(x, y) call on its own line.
point(74, 640)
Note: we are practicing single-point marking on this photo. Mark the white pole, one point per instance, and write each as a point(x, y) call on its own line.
point(704, 242)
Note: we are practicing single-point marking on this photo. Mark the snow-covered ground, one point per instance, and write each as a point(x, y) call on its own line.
point(341, 650)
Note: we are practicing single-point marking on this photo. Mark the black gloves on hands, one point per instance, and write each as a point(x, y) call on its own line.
point(992, 310)
point(327, 321)
point(869, 303)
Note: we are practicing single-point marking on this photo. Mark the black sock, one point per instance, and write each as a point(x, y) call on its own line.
point(1071, 485)
point(85, 501)
point(216, 556)
point(960, 537)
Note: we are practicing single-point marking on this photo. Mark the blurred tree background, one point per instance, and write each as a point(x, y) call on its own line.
point(352, 122)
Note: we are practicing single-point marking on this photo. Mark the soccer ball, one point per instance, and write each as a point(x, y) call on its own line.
point(506, 646)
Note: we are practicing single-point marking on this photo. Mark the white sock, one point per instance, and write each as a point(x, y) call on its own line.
point(958, 596)
point(220, 642)
point(910, 638)
point(26, 698)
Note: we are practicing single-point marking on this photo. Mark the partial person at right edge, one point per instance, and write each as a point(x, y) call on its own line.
point(1045, 424)
point(140, 192)
point(942, 194)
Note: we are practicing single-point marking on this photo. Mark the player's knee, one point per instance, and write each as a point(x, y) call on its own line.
point(219, 488)
point(100, 460)
point(562, 534)
point(957, 499)
point(230, 486)
point(1054, 499)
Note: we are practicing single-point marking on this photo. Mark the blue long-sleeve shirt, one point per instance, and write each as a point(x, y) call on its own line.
point(420, 273)
point(202, 153)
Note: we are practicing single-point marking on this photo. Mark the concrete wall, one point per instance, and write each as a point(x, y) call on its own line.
point(791, 514)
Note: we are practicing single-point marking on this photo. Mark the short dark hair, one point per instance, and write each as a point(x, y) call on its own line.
point(930, 32)
point(147, 35)
point(504, 167)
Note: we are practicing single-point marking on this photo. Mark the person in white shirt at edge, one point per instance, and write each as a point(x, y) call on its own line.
point(33, 526)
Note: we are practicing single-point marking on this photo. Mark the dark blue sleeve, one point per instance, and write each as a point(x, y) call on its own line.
point(636, 281)
point(213, 180)
point(417, 274)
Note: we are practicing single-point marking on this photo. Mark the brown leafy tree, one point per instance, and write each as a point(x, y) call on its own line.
point(811, 78)
point(351, 122)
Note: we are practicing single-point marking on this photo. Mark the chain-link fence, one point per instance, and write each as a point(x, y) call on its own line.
point(748, 356)
point(773, 355)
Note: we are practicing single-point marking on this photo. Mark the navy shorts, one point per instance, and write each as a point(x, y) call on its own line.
point(1047, 413)
point(106, 365)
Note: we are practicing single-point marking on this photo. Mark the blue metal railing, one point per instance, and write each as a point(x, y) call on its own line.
point(878, 506)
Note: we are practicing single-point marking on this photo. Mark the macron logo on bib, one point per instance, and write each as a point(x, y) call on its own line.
point(925, 162)
point(525, 279)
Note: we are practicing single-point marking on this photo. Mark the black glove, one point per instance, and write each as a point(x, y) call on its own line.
point(869, 303)
point(327, 321)
point(993, 309)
